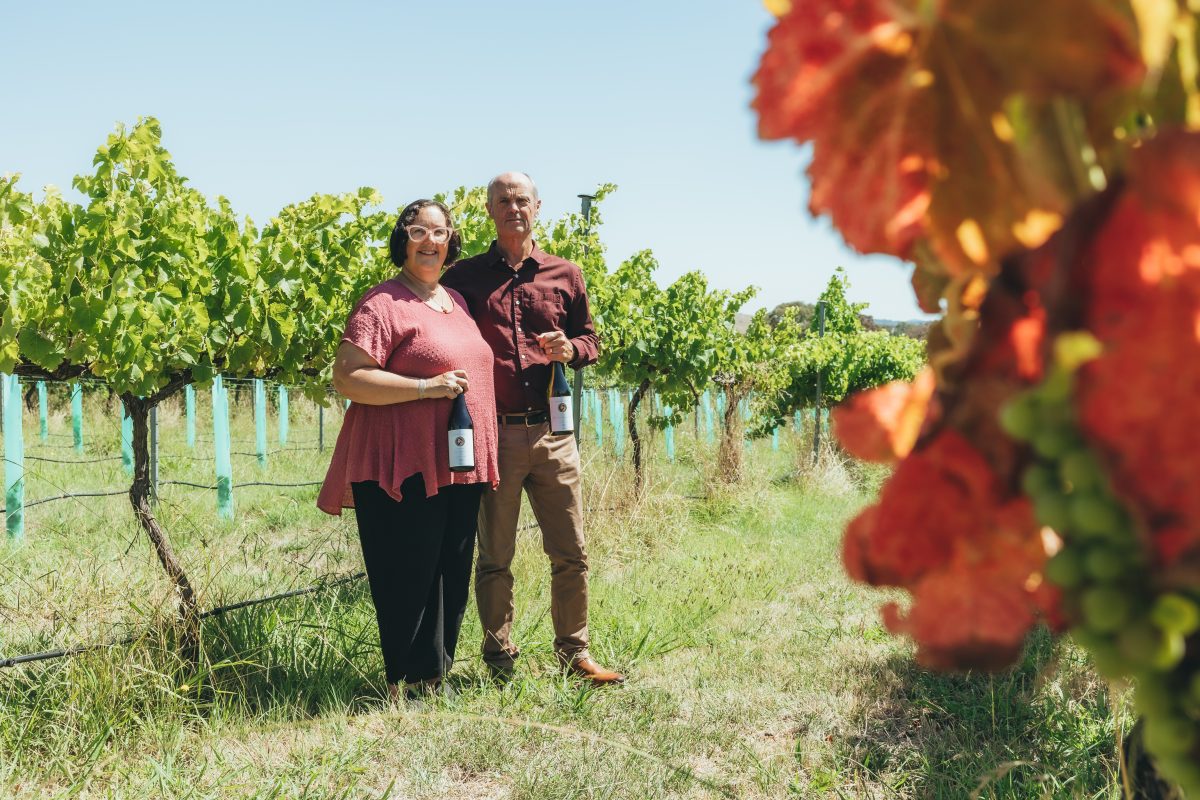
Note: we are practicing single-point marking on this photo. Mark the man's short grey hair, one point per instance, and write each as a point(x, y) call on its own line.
point(499, 179)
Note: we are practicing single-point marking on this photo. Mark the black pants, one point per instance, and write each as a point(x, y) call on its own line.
point(418, 554)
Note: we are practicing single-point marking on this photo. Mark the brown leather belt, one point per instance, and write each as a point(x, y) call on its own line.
point(529, 419)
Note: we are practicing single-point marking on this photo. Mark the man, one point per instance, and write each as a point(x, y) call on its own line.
point(532, 308)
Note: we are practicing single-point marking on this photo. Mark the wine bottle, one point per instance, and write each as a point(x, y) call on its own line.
point(462, 436)
point(561, 410)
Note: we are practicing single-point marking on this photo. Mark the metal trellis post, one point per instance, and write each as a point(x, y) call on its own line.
point(585, 209)
point(817, 409)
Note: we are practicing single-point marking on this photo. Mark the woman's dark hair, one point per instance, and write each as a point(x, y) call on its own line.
point(398, 241)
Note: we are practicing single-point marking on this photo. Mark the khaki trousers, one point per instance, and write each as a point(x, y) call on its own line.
point(547, 468)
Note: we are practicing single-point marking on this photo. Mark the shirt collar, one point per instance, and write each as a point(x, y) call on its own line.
point(538, 256)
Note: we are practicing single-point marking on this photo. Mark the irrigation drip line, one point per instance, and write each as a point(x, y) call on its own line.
point(160, 483)
point(215, 612)
point(246, 441)
point(282, 596)
point(84, 648)
point(170, 456)
point(69, 496)
point(70, 651)
point(236, 485)
point(73, 461)
point(285, 485)
point(270, 452)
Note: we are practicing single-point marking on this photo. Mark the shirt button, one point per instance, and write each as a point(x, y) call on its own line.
point(526, 383)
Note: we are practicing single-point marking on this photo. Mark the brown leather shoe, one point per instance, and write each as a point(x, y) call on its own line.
point(588, 668)
point(502, 674)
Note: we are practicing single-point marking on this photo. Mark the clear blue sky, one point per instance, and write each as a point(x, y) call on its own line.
point(268, 103)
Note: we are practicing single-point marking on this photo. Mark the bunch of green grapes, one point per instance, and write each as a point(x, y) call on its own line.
point(1133, 627)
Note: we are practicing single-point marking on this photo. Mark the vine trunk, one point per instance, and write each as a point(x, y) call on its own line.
point(138, 410)
point(634, 438)
point(729, 454)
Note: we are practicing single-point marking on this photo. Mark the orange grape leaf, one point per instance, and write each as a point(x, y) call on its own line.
point(903, 98)
point(882, 424)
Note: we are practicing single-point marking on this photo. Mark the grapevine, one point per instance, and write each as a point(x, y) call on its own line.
point(1050, 202)
point(1131, 625)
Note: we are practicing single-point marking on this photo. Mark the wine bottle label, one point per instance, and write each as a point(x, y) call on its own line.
point(462, 449)
point(562, 414)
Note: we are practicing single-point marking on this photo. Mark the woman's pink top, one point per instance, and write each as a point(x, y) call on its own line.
point(391, 443)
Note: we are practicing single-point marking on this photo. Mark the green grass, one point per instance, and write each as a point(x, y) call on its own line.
point(757, 670)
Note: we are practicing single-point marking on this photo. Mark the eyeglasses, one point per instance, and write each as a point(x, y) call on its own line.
point(419, 233)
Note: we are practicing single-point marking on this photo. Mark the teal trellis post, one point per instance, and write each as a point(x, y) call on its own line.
point(706, 401)
point(222, 446)
point(14, 457)
point(189, 406)
point(798, 421)
point(775, 439)
point(260, 421)
point(126, 441)
point(598, 416)
point(43, 421)
point(283, 415)
point(611, 416)
point(721, 405)
point(669, 436)
point(77, 415)
point(617, 417)
point(584, 406)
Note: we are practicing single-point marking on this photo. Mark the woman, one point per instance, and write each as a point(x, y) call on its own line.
point(409, 348)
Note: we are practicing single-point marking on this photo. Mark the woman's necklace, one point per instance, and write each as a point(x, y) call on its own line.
point(428, 298)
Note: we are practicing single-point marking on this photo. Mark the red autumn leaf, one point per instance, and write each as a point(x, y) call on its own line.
point(1137, 400)
point(948, 530)
point(902, 98)
point(983, 627)
point(882, 424)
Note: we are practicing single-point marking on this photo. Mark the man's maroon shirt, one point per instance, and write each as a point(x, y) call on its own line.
point(512, 306)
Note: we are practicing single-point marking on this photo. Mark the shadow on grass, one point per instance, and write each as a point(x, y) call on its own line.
point(1042, 729)
point(301, 656)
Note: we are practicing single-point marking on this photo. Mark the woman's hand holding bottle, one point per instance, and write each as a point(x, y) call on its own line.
point(448, 385)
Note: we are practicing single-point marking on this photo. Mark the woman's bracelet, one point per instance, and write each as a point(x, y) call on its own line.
point(420, 388)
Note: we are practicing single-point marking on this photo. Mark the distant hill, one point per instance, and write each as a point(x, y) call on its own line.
point(915, 328)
